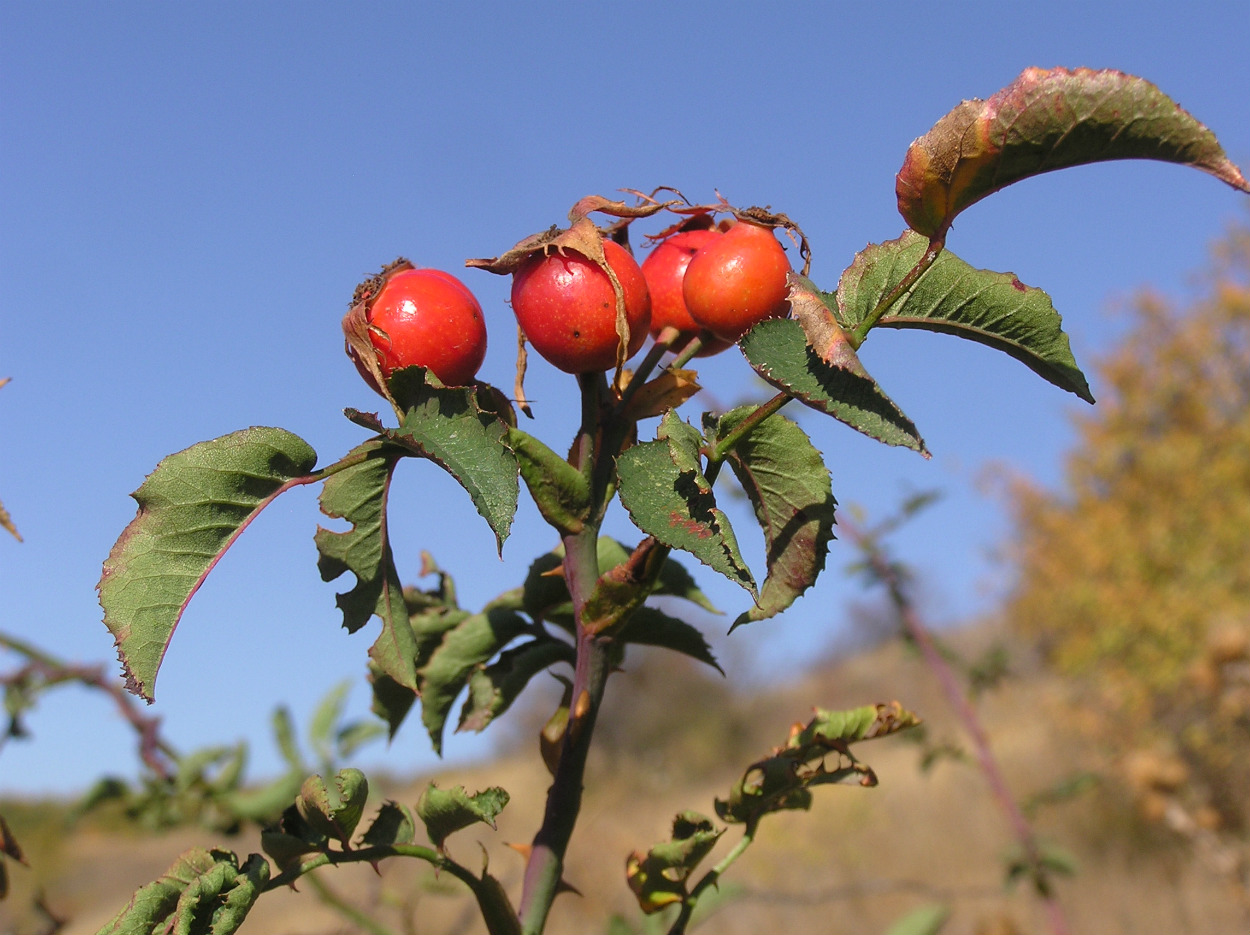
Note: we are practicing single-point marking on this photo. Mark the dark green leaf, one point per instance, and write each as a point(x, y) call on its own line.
point(648, 626)
point(560, 491)
point(470, 644)
point(786, 480)
point(445, 812)
point(446, 425)
point(1042, 121)
point(663, 487)
point(191, 508)
point(994, 309)
point(493, 689)
point(358, 494)
point(393, 825)
point(778, 351)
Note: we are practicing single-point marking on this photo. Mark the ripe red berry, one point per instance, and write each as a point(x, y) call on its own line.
point(428, 318)
point(737, 280)
point(566, 306)
point(664, 269)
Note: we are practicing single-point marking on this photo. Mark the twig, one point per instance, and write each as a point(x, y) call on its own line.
point(887, 573)
point(155, 752)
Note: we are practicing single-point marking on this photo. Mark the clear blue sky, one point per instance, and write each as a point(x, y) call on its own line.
point(190, 192)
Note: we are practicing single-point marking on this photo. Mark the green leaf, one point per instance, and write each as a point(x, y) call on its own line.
point(927, 920)
point(358, 494)
point(994, 309)
point(325, 717)
point(470, 644)
point(786, 480)
point(445, 812)
point(204, 891)
point(493, 689)
point(335, 808)
point(784, 779)
point(1042, 121)
point(191, 508)
point(663, 487)
point(658, 877)
point(393, 825)
point(560, 491)
point(778, 351)
point(648, 626)
point(447, 425)
point(284, 737)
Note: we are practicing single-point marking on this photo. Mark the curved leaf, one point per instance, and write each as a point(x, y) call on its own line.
point(786, 480)
point(204, 891)
point(446, 811)
point(778, 351)
point(994, 309)
point(1042, 121)
point(663, 487)
point(191, 508)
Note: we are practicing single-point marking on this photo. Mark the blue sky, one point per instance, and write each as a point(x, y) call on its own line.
point(190, 192)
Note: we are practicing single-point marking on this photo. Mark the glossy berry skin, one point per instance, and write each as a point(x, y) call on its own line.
point(566, 306)
point(665, 269)
point(428, 318)
point(737, 281)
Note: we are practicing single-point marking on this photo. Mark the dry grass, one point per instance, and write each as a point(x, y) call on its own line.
point(857, 862)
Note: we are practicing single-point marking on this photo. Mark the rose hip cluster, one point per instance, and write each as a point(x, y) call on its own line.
point(711, 282)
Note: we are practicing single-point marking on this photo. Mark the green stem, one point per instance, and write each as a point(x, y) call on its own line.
point(721, 449)
point(361, 920)
point(930, 255)
point(692, 347)
point(663, 341)
point(711, 878)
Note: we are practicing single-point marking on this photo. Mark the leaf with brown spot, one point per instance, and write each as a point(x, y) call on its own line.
point(1042, 121)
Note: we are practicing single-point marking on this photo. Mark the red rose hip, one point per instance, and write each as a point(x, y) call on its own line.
point(428, 318)
point(565, 304)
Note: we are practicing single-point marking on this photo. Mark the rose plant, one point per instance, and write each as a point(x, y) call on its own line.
point(582, 302)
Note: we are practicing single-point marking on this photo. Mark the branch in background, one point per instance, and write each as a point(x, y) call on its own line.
point(43, 671)
point(888, 573)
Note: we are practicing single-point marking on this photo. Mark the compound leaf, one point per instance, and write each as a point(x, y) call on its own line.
point(191, 509)
point(786, 480)
point(994, 309)
point(663, 487)
point(1042, 121)
point(778, 351)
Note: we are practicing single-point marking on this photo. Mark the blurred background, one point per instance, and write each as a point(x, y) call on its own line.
point(190, 193)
